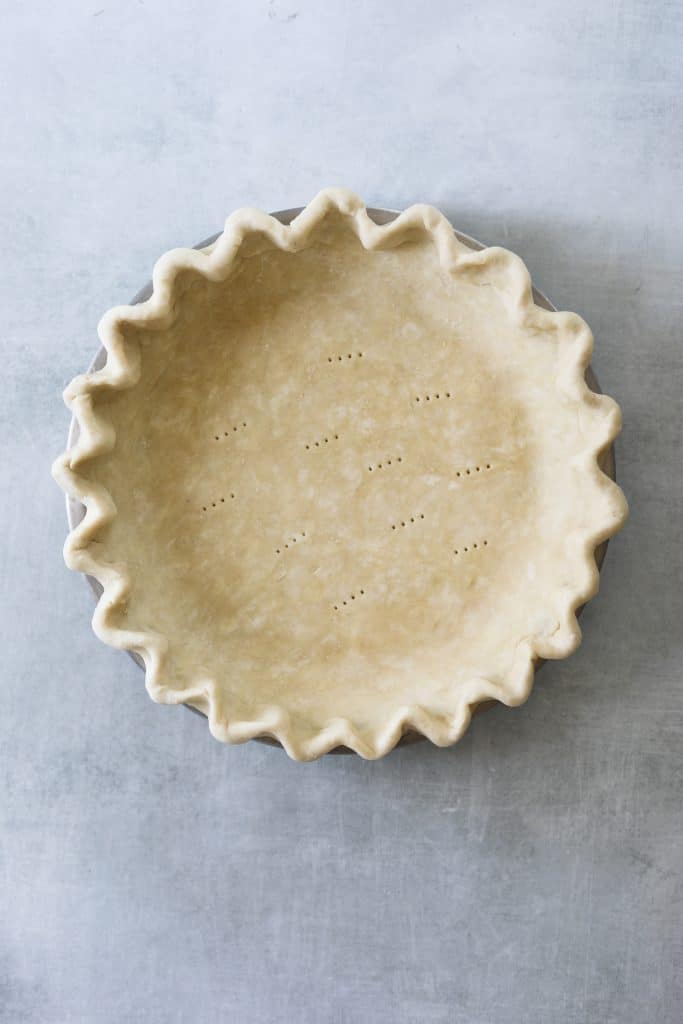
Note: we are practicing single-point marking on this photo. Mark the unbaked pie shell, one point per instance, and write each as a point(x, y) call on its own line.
point(341, 480)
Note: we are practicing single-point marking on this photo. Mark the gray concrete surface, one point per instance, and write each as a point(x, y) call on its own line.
point(532, 874)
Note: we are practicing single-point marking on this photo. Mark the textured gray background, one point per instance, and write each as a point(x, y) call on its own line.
point(534, 873)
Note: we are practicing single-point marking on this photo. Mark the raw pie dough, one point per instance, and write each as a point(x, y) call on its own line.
point(341, 480)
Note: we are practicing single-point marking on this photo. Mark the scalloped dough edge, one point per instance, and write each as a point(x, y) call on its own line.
point(600, 421)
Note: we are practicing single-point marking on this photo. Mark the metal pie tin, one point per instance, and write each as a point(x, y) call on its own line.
point(75, 510)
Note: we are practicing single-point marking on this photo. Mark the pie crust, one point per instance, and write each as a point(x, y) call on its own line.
point(341, 480)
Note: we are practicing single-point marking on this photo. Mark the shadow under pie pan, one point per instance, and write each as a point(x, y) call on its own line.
point(76, 510)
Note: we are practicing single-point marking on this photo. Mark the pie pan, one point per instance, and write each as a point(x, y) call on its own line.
point(75, 508)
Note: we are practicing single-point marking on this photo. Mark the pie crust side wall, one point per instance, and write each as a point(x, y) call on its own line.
point(246, 228)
